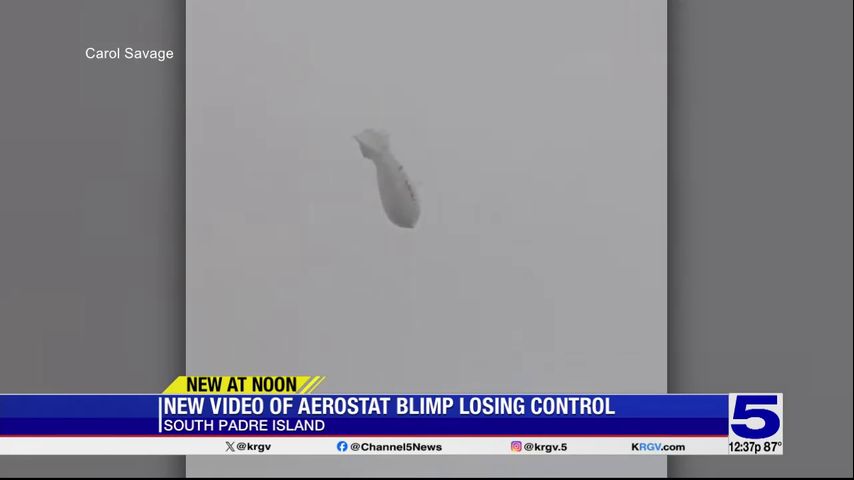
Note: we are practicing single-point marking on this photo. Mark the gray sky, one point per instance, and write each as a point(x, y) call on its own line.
point(535, 133)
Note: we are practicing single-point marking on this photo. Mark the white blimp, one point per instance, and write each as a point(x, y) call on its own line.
point(396, 192)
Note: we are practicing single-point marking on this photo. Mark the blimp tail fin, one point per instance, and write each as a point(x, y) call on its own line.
point(372, 143)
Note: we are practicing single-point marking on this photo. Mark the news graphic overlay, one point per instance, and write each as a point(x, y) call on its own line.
point(282, 416)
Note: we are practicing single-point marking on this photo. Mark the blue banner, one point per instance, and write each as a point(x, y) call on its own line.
point(364, 415)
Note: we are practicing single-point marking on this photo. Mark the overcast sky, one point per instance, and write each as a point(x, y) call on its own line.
point(535, 134)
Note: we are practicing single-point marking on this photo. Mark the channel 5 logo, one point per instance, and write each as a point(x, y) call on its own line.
point(515, 446)
point(756, 416)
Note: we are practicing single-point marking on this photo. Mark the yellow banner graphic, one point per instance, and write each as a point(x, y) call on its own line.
point(297, 384)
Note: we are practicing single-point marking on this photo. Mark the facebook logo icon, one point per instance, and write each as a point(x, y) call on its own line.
point(342, 446)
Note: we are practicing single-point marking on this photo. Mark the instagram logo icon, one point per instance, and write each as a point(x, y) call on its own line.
point(515, 446)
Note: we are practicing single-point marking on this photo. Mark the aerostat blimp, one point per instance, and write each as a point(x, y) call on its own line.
point(397, 194)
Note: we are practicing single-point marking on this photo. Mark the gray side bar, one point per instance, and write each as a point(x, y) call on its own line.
point(91, 211)
point(760, 220)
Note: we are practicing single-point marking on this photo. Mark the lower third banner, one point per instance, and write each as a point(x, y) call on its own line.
point(223, 424)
